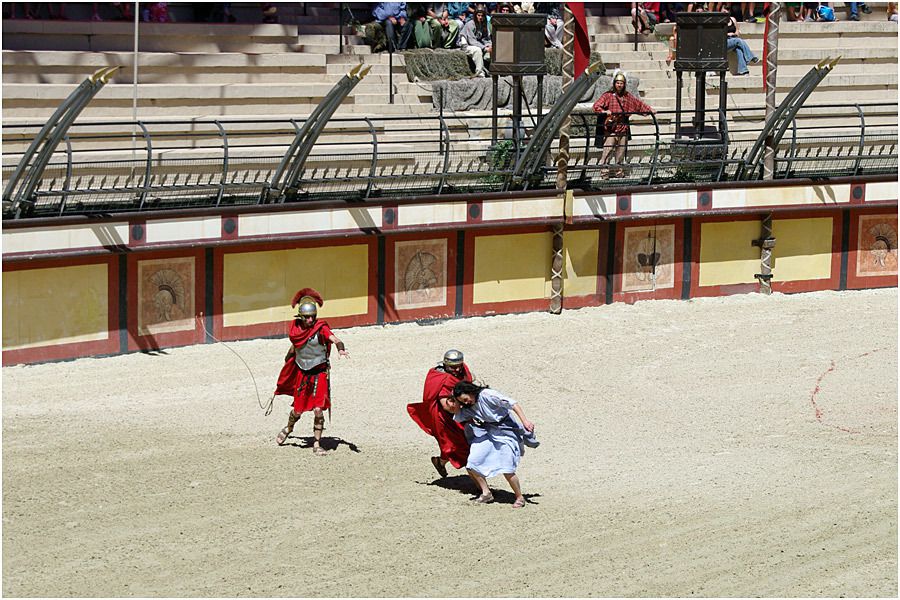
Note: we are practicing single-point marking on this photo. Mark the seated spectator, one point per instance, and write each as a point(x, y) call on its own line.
point(748, 10)
point(461, 12)
point(792, 11)
point(667, 10)
point(854, 7)
point(735, 44)
point(646, 14)
point(444, 28)
point(892, 11)
point(392, 16)
point(553, 30)
point(475, 39)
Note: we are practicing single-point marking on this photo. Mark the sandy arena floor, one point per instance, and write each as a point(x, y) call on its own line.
point(742, 446)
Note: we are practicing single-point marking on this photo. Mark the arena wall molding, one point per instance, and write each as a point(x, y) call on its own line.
point(91, 286)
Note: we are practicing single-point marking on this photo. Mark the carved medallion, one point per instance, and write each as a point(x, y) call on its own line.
point(647, 258)
point(420, 273)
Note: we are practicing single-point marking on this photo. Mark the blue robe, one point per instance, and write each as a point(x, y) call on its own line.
point(497, 440)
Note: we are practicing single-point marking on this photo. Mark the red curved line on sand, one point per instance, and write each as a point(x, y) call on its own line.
point(817, 389)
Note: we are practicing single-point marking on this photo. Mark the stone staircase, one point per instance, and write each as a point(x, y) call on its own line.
point(867, 72)
point(196, 70)
point(248, 69)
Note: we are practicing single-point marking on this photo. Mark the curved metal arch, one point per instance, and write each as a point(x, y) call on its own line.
point(49, 138)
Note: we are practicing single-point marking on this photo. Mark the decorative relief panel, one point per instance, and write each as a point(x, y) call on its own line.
point(420, 273)
point(877, 250)
point(166, 295)
point(648, 254)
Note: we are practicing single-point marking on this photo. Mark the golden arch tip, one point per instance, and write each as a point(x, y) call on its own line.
point(109, 73)
point(365, 71)
point(593, 68)
point(354, 70)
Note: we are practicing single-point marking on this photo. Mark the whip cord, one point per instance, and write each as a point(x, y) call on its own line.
point(268, 407)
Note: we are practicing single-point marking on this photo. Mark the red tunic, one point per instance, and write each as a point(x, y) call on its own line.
point(619, 107)
point(310, 389)
point(437, 422)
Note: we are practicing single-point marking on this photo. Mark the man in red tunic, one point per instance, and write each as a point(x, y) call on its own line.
point(437, 422)
point(614, 108)
point(305, 374)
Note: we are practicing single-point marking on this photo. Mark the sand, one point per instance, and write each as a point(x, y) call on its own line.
point(741, 446)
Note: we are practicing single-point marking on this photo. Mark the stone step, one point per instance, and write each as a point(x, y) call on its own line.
point(331, 40)
point(348, 49)
point(290, 108)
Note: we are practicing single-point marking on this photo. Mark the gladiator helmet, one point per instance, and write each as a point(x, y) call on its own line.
point(453, 358)
point(306, 300)
point(619, 76)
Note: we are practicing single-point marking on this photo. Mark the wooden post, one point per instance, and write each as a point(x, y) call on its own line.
point(562, 159)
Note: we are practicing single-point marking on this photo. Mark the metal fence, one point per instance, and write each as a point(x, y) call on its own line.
point(114, 167)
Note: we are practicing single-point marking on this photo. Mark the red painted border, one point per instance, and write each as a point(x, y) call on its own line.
point(859, 282)
point(833, 282)
point(469, 308)
point(672, 293)
point(598, 297)
point(279, 328)
point(787, 287)
point(195, 335)
point(77, 349)
point(391, 312)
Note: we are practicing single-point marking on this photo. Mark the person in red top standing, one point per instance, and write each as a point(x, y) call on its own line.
point(614, 108)
point(435, 420)
point(305, 374)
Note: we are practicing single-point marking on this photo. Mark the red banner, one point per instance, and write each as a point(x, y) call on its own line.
point(582, 53)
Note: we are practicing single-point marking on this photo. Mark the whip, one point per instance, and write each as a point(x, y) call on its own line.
point(268, 407)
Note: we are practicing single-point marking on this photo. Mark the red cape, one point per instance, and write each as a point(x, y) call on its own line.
point(287, 379)
point(437, 422)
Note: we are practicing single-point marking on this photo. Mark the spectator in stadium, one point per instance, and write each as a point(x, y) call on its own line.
point(445, 30)
point(748, 11)
point(397, 28)
point(497, 440)
point(475, 39)
point(854, 8)
point(645, 14)
point(461, 12)
point(553, 30)
point(614, 108)
point(734, 43)
point(892, 11)
point(432, 415)
point(667, 10)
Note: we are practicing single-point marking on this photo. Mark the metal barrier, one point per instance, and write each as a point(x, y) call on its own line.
point(124, 166)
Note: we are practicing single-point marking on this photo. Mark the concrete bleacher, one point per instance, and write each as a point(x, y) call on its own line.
point(250, 69)
point(866, 73)
point(193, 70)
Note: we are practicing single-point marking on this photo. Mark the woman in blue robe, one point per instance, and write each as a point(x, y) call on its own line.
point(497, 440)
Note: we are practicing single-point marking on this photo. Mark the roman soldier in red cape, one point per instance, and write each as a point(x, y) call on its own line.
point(305, 374)
point(435, 420)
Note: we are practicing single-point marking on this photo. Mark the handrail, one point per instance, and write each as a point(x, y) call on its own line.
point(242, 154)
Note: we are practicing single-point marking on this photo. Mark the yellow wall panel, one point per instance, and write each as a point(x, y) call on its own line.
point(802, 249)
point(512, 267)
point(726, 253)
point(55, 306)
point(581, 250)
point(258, 286)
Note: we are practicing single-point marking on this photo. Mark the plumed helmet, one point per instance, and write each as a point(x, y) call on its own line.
point(307, 309)
point(453, 358)
point(306, 300)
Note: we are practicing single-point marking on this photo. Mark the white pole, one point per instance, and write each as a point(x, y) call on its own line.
point(134, 83)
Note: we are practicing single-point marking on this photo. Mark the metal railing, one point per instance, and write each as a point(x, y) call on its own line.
point(124, 166)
